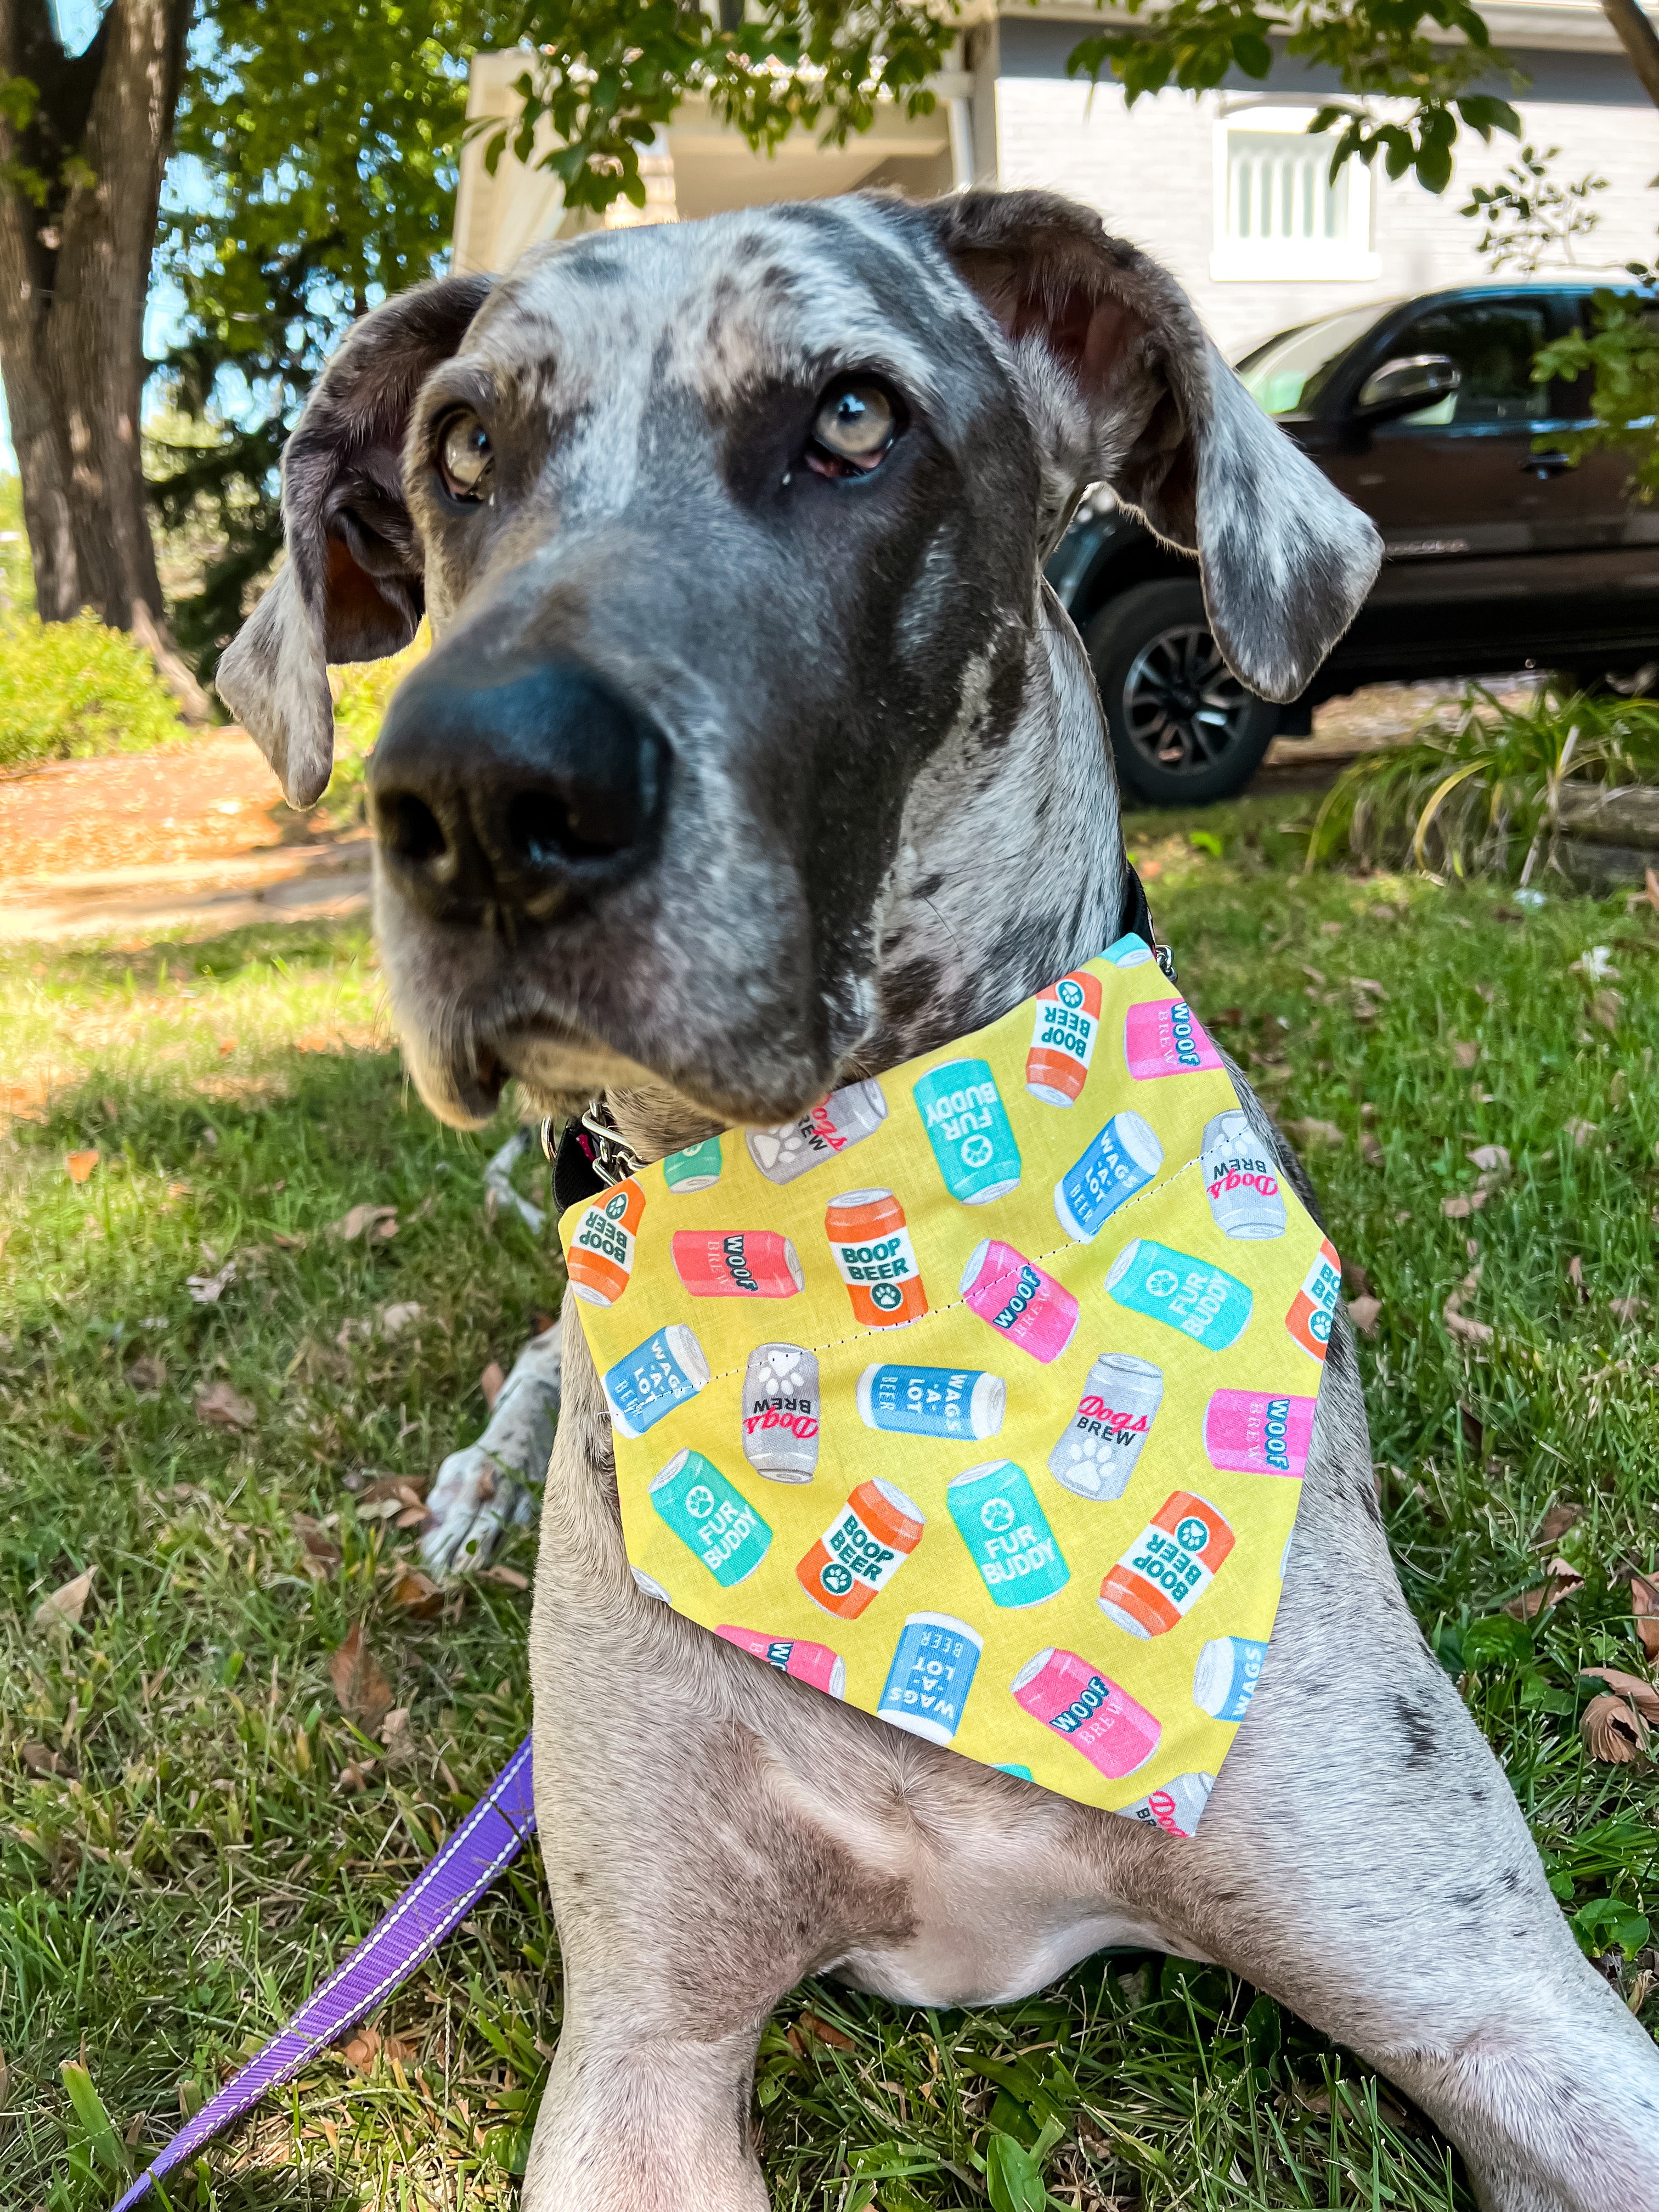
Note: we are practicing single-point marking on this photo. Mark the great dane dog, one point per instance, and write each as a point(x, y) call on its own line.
point(753, 755)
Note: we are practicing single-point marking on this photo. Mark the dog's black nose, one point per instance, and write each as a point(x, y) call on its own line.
point(517, 791)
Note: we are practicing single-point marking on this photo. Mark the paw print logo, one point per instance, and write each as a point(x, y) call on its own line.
point(700, 1501)
point(1162, 1282)
point(996, 1515)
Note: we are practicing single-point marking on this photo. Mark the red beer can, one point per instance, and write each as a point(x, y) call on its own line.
point(739, 1263)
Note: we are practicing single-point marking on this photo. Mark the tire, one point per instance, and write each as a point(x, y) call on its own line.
point(1184, 730)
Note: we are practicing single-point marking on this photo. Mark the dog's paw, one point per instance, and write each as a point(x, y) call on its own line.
point(471, 1502)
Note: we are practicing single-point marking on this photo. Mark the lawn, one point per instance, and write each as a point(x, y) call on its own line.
point(191, 1828)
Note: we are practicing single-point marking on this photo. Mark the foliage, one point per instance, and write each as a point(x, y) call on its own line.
point(16, 576)
point(1622, 354)
point(1480, 793)
point(71, 689)
point(1529, 217)
point(361, 694)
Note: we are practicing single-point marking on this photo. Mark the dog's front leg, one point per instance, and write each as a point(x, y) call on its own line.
point(489, 1484)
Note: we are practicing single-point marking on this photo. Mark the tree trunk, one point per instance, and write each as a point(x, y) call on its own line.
point(1640, 41)
point(76, 233)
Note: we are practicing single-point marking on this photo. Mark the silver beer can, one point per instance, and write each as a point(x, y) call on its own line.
point(1246, 1194)
point(780, 1411)
point(842, 1119)
point(1177, 1805)
point(1098, 1448)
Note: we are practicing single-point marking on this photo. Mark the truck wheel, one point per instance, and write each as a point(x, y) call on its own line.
point(1184, 729)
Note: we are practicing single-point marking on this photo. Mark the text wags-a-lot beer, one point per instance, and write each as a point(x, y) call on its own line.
point(878, 1262)
point(1313, 1309)
point(969, 1129)
point(1100, 1445)
point(1095, 1715)
point(666, 1370)
point(1168, 1568)
point(932, 1672)
point(1122, 1159)
point(846, 1117)
point(958, 1405)
point(781, 1409)
point(601, 1254)
point(711, 1517)
point(862, 1549)
point(1063, 1033)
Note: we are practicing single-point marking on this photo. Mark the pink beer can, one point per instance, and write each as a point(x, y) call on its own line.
point(816, 1663)
point(1313, 1308)
point(745, 1263)
point(1019, 1299)
point(1166, 1038)
point(1259, 1432)
point(1095, 1718)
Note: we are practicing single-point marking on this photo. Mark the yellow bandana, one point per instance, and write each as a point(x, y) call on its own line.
point(981, 1396)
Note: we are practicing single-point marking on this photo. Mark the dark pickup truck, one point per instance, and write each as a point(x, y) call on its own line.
point(1499, 556)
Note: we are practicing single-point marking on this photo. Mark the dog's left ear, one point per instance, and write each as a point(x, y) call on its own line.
point(354, 584)
point(1126, 387)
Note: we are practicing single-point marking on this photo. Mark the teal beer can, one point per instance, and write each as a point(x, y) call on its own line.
point(970, 1131)
point(697, 1168)
point(1202, 1302)
point(711, 1517)
point(1006, 1531)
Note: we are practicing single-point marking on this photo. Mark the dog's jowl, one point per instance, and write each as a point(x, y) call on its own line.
point(752, 760)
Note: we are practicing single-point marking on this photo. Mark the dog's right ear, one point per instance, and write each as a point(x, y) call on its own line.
point(352, 587)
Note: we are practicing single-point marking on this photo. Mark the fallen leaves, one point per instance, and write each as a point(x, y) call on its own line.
point(1562, 1581)
point(1613, 1731)
point(364, 1694)
point(57, 1614)
point(1457, 1321)
point(1464, 1052)
point(1628, 1311)
point(1491, 1160)
point(147, 1374)
point(207, 1290)
point(508, 1578)
point(1464, 1203)
point(221, 1408)
point(375, 1224)
point(1370, 1148)
point(1565, 1514)
point(1312, 1132)
point(80, 1165)
point(1644, 1607)
point(1575, 1277)
point(322, 1554)
point(1580, 1131)
point(1605, 1007)
point(1639, 1693)
point(1362, 1313)
point(420, 1597)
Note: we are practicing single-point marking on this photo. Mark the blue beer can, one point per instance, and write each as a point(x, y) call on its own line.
point(665, 1371)
point(1202, 1302)
point(1225, 1679)
point(931, 1675)
point(1021, 1773)
point(711, 1517)
point(1122, 1159)
point(1127, 951)
point(1000, 1520)
point(962, 1404)
point(970, 1131)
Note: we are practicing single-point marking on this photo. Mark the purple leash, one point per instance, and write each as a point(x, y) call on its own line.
point(489, 1840)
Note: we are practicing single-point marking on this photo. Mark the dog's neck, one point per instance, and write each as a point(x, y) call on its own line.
point(1011, 869)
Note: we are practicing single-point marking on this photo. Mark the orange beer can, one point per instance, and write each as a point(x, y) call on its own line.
point(1063, 1036)
point(1169, 1566)
point(599, 1258)
point(877, 1260)
point(862, 1549)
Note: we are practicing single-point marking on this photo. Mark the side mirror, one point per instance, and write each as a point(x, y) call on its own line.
point(1402, 387)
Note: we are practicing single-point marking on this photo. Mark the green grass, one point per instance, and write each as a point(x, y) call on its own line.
point(171, 1893)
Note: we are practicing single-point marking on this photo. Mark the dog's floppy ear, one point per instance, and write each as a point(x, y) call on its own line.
point(353, 585)
point(1126, 387)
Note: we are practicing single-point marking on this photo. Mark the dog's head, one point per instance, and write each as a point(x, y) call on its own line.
point(725, 529)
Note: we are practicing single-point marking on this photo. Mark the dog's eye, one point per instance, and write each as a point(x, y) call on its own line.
point(466, 461)
point(854, 429)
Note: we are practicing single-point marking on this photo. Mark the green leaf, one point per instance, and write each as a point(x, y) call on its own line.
point(1252, 54)
point(1608, 1922)
point(1013, 2178)
point(1498, 1642)
point(101, 2138)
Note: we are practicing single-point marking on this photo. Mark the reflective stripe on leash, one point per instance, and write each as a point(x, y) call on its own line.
point(488, 1841)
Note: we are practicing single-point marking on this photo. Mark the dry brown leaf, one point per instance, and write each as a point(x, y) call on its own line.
point(1566, 1514)
point(1651, 891)
point(226, 1045)
point(1580, 1131)
point(147, 1373)
point(288, 1243)
point(1465, 1330)
point(1491, 1159)
point(207, 1290)
point(1313, 1131)
point(62, 1611)
point(1628, 1310)
point(1642, 1695)
point(80, 1165)
point(369, 1222)
point(407, 1489)
point(1604, 1007)
point(1575, 1275)
point(39, 1760)
point(1362, 1313)
point(318, 1544)
point(361, 2053)
point(353, 1775)
point(1464, 1052)
point(397, 1737)
point(418, 1595)
point(395, 1319)
point(1563, 1582)
point(1612, 1732)
point(491, 1383)
point(1371, 1146)
point(365, 1694)
point(508, 1578)
point(1466, 1203)
point(810, 2024)
point(1355, 1280)
point(221, 1408)
point(1645, 1607)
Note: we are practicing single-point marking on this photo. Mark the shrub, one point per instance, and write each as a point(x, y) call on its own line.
point(1478, 794)
point(361, 694)
point(71, 689)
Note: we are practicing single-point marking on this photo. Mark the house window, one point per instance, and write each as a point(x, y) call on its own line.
point(1279, 213)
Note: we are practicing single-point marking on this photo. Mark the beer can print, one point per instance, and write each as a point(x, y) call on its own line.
point(1100, 1445)
point(1019, 1773)
point(1245, 1194)
point(1313, 1309)
point(1007, 1534)
point(1176, 1807)
point(737, 1263)
point(1168, 1568)
point(877, 1260)
point(931, 1675)
point(1258, 1432)
point(962, 1405)
point(1095, 1716)
point(696, 1168)
point(666, 1370)
point(862, 1549)
point(648, 1586)
point(970, 1131)
point(600, 1257)
point(781, 1411)
point(1202, 1302)
point(1165, 1037)
point(1020, 1300)
point(1128, 951)
point(1063, 1033)
point(1122, 1159)
point(1225, 1679)
point(816, 1663)
point(711, 1517)
point(846, 1117)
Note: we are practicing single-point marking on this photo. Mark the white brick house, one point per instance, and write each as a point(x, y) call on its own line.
point(1224, 188)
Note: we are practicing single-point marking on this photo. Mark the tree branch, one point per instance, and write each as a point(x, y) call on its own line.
point(1639, 41)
